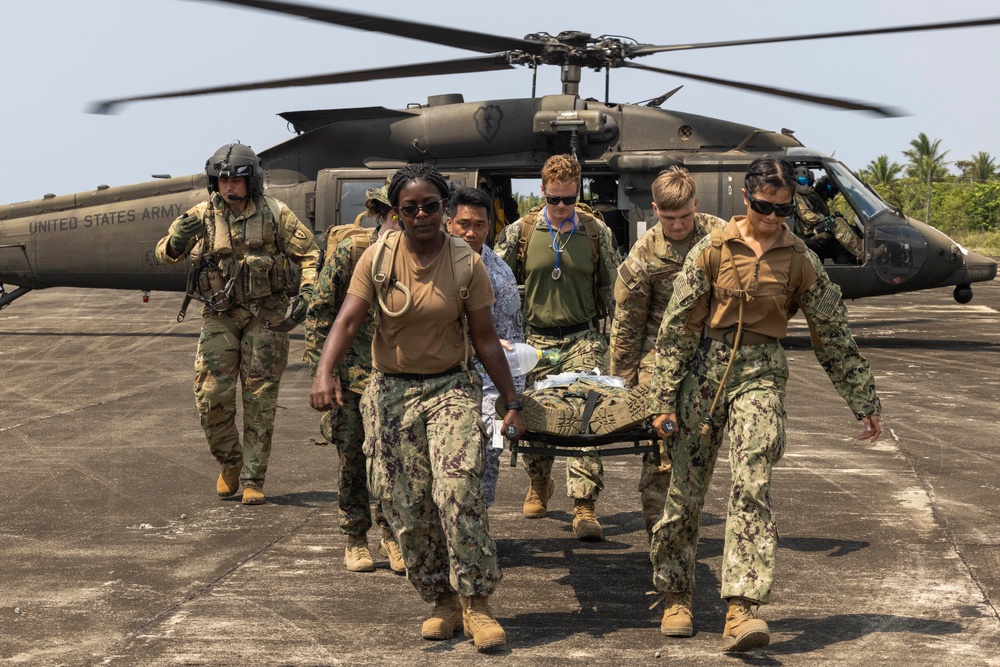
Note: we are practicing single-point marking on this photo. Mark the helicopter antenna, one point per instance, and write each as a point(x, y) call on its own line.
point(658, 101)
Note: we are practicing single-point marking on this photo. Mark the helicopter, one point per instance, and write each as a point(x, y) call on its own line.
point(105, 238)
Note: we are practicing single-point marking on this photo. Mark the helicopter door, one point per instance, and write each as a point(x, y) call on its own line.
point(15, 266)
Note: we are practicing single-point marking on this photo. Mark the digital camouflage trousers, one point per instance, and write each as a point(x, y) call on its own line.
point(342, 427)
point(752, 408)
point(425, 465)
point(235, 349)
point(578, 352)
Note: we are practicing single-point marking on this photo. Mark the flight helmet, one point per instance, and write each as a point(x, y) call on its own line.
point(232, 161)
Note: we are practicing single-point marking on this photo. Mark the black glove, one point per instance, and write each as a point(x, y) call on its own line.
point(187, 228)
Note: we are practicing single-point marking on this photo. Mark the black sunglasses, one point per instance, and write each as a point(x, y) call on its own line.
point(413, 210)
point(767, 208)
point(554, 201)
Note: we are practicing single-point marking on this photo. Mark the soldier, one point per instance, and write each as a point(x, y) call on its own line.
point(567, 259)
point(342, 425)
point(241, 242)
point(825, 234)
point(423, 402)
point(642, 290)
point(469, 219)
point(741, 285)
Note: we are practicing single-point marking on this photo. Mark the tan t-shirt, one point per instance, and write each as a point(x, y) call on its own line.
point(428, 338)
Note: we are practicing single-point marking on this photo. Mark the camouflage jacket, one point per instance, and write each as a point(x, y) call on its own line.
point(823, 306)
point(642, 291)
point(331, 288)
point(506, 309)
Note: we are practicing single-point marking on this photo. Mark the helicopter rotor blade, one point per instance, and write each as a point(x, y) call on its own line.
point(460, 66)
point(637, 50)
point(885, 112)
point(435, 34)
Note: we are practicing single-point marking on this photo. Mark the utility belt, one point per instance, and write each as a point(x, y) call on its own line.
point(420, 377)
point(747, 338)
point(560, 332)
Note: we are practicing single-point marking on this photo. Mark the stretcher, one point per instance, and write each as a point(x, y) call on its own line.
point(604, 444)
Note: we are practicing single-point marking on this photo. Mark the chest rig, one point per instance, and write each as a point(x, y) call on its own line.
point(237, 269)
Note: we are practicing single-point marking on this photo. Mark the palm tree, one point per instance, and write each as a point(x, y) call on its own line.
point(881, 171)
point(979, 169)
point(927, 164)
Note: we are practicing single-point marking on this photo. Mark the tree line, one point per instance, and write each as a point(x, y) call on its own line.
point(924, 187)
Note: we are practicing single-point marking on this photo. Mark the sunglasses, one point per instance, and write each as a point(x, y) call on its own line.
point(767, 208)
point(413, 210)
point(555, 201)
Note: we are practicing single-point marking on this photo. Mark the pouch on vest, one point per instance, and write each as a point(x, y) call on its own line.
point(257, 282)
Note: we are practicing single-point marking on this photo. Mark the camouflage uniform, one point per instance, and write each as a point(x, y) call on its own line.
point(510, 327)
point(687, 375)
point(342, 425)
point(815, 224)
point(425, 467)
point(234, 344)
point(579, 351)
point(642, 290)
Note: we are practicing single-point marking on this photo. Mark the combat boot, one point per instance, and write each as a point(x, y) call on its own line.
point(538, 418)
point(229, 480)
point(388, 548)
point(677, 620)
point(744, 631)
point(479, 624)
point(622, 415)
point(585, 525)
point(536, 503)
point(444, 620)
point(357, 558)
point(253, 495)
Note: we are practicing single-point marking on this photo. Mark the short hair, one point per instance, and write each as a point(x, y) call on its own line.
point(673, 189)
point(474, 197)
point(416, 172)
point(769, 173)
point(560, 169)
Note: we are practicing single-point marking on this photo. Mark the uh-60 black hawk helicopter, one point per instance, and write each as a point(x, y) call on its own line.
point(322, 173)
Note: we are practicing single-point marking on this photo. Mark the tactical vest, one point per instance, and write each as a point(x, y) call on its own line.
point(360, 238)
point(589, 218)
point(227, 273)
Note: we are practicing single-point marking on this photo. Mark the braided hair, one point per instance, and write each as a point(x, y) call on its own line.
point(416, 172)
point(769, 173)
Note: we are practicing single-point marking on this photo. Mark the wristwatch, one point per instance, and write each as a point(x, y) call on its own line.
point(513, 405)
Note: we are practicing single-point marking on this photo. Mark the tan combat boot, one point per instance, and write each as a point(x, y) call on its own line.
point(444, 620)
point(585, 525)
point(744, 631)
point(388, 548)
point(357, 558)
point(536, 502)
point(253, 495)
point(479, 624)
point(677, 615)
point(229, 480)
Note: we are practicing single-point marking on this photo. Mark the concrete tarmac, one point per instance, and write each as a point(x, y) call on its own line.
point(116, 550)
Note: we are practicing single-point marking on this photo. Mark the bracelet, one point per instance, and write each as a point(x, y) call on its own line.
point(513, 405)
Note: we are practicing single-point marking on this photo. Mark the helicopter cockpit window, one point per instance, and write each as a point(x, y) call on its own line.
point(861, 199)
point(900, 251)
point(352, 200)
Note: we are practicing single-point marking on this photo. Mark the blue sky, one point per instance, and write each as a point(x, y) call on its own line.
point(60, 55)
